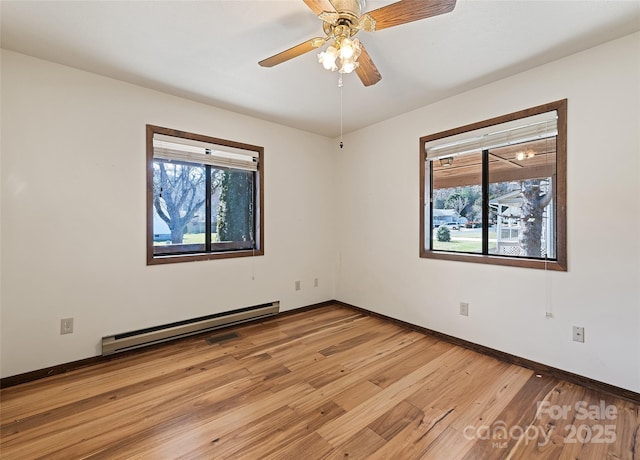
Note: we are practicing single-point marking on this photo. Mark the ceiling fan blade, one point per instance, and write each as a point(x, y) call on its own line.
point(367, 70)
point(296, 51)
point(406, 11)
point(318, 6)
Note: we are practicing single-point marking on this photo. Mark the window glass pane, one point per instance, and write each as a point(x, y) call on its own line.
point(521, 199)
point(456, 218)
point(216, 187)
point(235, 209)
point(178, 207)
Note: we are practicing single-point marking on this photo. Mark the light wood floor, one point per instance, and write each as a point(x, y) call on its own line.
point(326, 383)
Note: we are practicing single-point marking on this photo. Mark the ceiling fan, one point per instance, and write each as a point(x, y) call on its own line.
point(342, 19)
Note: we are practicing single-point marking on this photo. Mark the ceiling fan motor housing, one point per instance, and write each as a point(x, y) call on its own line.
point(344, 23)
point(352, 7)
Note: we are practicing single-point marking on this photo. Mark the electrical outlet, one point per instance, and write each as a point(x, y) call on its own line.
point(66, 326)
point(578, 334)
point(315, 282)
point(297, 285)
point(464, 308)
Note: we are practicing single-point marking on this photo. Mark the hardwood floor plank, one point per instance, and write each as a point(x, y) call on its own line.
point(324, 383)
point(356, 394)
point(450, 443)
point(395, 420)
point(313, 445)
point(302, 360)
point(360, 446)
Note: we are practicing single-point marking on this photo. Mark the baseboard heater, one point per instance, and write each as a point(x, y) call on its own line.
point(143, 337)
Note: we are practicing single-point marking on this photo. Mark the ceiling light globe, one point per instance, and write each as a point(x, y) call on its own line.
point(348, 66)
point(346, 49)
point(357, 49)
point(328, 58)
point(329, 64)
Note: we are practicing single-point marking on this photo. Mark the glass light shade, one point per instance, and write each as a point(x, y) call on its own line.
point(347, 65)
point(328, 58)
point(347, 50)
point(357, 50)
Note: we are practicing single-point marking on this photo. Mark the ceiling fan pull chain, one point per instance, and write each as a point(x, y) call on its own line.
point(340, 85)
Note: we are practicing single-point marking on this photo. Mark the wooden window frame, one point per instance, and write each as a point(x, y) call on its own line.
point(258, 250)
point(560, 262)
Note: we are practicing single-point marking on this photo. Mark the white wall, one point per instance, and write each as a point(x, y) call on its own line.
point(73, 215)
point(379, 269)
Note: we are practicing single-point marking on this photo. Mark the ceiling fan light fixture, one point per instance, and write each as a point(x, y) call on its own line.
point(328, 58)
point(346, 50)
point(524, 155)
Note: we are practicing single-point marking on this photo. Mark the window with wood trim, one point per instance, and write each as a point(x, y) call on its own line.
point(204, 197)
point(495, 191)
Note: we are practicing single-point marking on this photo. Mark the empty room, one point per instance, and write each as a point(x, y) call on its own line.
point(316, 229)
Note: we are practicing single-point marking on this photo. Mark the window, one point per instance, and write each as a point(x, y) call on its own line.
point(495, 191)
point(204, 197)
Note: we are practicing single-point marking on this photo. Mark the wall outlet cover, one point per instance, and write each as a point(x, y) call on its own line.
point(578, 334)
point(66, 326)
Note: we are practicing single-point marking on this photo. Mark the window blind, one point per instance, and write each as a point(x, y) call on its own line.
point(536, 127)
point(192, 151)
